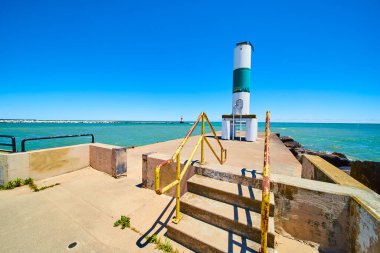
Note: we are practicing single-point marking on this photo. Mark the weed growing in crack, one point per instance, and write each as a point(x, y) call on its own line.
point(164, 246)
point(29, 181)
point(124, 221)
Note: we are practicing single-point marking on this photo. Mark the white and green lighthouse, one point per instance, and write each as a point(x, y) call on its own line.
point(242, 78)
point(241, 94)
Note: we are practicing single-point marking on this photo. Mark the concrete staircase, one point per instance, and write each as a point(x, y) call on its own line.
point(219, 216)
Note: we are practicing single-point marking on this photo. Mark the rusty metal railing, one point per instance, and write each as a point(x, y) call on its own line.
point(265, 202)
point(177, 158)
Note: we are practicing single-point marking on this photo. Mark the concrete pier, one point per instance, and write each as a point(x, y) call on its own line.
point(249, 155)
point(89, 200)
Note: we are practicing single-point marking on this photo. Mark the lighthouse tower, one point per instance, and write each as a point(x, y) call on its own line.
point(242, 78)
point(241, 94)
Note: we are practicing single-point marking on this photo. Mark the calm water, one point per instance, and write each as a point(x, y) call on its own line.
point(357, 141)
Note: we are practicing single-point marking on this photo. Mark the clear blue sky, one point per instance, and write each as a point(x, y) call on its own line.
point(138, 60)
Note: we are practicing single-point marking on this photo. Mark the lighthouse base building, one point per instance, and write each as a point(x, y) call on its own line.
point(231, 127)
point(240, 118)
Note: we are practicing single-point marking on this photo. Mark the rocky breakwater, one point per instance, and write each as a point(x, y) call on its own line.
point(337, 159)
point(366, 172)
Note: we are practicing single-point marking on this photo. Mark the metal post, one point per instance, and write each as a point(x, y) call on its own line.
point(13, 145)
point(203, 141)
point(240, 125)
point(233, 126)
point(265, 204)
point(178, 191)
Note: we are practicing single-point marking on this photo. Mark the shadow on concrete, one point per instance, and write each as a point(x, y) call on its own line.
point(243, 244)
point(213, 137)
point(247, 211)
point(157, 226)
point(238, 138)
point(253, 172)
point(220, 138)
point(192, 162)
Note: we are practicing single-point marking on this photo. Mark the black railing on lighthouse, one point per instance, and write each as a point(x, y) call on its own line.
point(23, 149)
point(12, 144)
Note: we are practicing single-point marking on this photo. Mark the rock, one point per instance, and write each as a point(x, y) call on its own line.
point(292, 144)
point(367, 173)
point(336, 160)
point(341, 155)
point(311, 152)
point(294, 151)
point(297, 152)
point(286, 139)
point(346, 169)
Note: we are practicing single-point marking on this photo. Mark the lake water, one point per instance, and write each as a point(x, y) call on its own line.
point(357, 141)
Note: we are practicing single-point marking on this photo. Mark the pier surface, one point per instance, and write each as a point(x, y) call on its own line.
point(248, 155)
point(87, 202)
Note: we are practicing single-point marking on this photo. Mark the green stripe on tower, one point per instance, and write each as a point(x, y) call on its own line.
point(241, 80)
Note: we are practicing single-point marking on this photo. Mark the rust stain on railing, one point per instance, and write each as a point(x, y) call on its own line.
point(265, 203)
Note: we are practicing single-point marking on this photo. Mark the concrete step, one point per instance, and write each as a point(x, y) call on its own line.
point(203, 237)
point(231, 193)
point(241, 221)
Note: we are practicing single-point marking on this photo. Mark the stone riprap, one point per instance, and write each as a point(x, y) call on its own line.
point(337, 159)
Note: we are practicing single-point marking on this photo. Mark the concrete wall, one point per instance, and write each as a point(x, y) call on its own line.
point(45, 163)
point(316, 168)
point(108, 158)
point(310, 215)
point(325, 213)
point(364, 224)
point(367, 173)
point(338, 218)
point(167, 175)
point(119, 161)
point(13, 166)
point(364, 228)
point(312, 172)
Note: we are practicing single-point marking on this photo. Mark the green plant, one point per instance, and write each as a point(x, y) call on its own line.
point(29, 181)
point(10, 185)
point(33, 186)
point(165, 246)
point(124, 221)
point(152, 239)
point(45, 187)
point(135, 230)
point(18, 182)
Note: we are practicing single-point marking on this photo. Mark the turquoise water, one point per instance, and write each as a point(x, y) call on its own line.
point(357, 141)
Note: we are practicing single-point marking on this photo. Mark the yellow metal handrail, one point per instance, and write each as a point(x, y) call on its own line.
point(177, 157)
point(265, 201)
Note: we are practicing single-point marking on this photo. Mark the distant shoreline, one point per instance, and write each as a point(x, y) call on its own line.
point(88, 121)
point(153, 122)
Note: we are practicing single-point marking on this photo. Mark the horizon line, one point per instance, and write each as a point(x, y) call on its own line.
point(106, 120)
